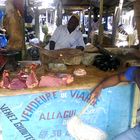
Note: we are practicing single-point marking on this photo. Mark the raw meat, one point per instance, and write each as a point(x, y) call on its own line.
point(19, 82)
point(32, 81)
point(80, 72)
point(55, 81)
point(51, 81)
point(5, 79)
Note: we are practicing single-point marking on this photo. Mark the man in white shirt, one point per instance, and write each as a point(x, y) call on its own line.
point(67, 36)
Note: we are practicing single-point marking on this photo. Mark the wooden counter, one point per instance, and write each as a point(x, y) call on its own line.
point(93, 77)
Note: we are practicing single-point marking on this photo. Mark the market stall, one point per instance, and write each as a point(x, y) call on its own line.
point(30, 111)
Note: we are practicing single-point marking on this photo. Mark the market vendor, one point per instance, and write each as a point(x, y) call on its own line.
point(132, 74)
point(67, 36)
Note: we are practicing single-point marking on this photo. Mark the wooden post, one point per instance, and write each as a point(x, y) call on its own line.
point(20, 5)
point(89, 21)
point(115, 25)
point(83, 21)
point(136, 102)
point(59, 13)
point(137, 17)
point(100, 35)
point(106, 19)
point(47, 17)
point(13, 22)
point(37, 22)
point(116, 19)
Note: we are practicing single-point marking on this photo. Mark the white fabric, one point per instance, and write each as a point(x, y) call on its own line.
point(82, 131)
point(64, 39)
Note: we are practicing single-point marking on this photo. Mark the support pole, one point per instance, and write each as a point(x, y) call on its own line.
point(137, 17)
point(106, 19)
point(59, 13)
point(100, 35)
point(83, 22)
point(37, 22)
point(117, 15)
point(89, 21)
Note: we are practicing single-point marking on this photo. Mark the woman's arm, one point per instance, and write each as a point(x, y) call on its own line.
point(108, 82)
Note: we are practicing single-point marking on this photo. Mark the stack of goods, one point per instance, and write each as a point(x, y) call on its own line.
point(90, 52)
point(66, 56)
point(59, 59)
point(106, 61)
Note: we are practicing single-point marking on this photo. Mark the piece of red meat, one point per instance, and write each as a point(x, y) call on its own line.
point(31, 80)
point(16, 83)
point(51, 81)
point(22, 75)
point(20, 81)
point(5, 79)
point(68, 78)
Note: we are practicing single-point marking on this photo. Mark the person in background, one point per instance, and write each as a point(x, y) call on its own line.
point(29, 25)
point(95, 28)
point(47, 36)
point(132, 74)
point(67, 36)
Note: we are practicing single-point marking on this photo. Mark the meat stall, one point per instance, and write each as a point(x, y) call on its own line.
point(42, 113)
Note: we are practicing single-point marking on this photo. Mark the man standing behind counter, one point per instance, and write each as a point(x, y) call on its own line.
point(67, 36)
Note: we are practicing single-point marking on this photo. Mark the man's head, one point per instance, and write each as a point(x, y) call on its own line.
point(73, 22)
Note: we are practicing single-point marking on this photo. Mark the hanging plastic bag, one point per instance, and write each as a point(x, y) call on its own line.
point(3, 41)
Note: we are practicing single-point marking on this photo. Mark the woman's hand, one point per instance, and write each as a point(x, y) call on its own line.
point(94, 95)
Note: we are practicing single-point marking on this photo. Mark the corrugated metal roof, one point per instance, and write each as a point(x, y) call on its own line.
point(71, 5)
point(85, 3)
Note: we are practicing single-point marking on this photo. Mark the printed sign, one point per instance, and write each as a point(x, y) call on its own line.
point(43, 116)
